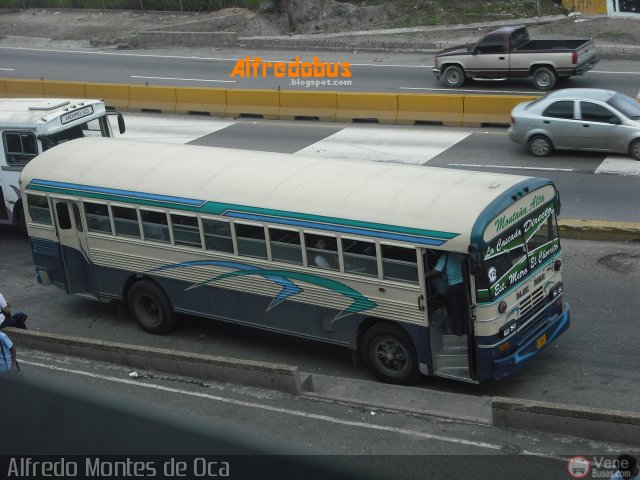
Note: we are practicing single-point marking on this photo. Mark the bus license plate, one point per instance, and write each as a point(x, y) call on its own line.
point(541, 342)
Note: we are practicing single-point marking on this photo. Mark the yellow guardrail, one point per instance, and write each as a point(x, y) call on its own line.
point(389, 108)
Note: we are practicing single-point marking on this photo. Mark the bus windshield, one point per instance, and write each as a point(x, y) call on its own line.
point(93, 128)
point(519, 251)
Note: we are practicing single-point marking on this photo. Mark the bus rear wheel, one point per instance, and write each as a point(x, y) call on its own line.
point(390, 354)
point(151, 307)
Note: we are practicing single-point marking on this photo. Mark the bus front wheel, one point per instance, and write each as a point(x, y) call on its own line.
point(389, 353)
point(151, 307)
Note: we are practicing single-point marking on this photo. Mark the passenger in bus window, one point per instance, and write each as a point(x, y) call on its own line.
point(449, 265)
point(319, 260)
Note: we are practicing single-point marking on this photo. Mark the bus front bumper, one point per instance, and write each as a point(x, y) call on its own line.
point(507, 365)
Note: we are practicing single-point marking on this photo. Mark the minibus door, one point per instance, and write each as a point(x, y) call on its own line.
point(73, 246)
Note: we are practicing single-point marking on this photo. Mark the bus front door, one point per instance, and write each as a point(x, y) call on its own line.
point(73, 246)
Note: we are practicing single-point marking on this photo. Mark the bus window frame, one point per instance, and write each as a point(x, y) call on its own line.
point(232, 232)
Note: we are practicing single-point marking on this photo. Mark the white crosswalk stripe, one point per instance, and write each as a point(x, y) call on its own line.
point(171, 128)
point(383, 144)
point(618, 165)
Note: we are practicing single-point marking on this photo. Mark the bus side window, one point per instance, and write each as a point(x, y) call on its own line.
point(19, 147)
point(155, 226)
point(125, 221)
point(39, 209)
point(322, 251)
point(217, 235)
point(399, 263)
point(360, 257)
point(97, 216)
point(285, 246)
point(251, 240)
point(186, 230)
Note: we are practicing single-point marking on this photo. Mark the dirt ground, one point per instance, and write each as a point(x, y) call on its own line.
point(319, 16)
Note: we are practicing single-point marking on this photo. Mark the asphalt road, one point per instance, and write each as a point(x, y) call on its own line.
point(371, 72)
point(592, 364)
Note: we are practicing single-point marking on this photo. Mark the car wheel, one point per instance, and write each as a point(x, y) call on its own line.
point(389, 354)
point(544, 78)
point(540, 146)
point(150, 307)
point(634, 149)
point(453, 76)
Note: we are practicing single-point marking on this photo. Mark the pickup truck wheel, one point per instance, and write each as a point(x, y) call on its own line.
point(540, 146)
point(544, 78)
point(453, 76)
point(634, 149)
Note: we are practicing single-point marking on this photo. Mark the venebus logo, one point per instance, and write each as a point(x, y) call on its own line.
point(255, 67)
point(578, 467)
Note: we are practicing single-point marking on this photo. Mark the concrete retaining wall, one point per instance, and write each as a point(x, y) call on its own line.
point(187, 39)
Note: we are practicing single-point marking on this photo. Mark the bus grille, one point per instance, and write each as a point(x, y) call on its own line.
point(531, 301)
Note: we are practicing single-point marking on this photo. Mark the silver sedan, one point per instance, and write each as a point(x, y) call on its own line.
point(578, 119)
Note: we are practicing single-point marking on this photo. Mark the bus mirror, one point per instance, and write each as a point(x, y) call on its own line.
point(475, 262)
point(121, 125)
point(557, 203)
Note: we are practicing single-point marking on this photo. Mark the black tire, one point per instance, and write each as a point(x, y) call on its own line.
point(389, 353)
point(540, 146)
point(453, 76)
point(150, 307)
point(544, 78)
point(634, 149)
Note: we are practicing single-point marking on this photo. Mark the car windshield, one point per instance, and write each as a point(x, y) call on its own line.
point(625, 105)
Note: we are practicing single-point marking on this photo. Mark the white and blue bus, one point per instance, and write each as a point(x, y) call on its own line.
point(235, 235)
point(29, 126)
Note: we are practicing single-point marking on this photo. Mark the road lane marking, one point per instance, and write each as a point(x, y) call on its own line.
point(455, 90)
point(618, 165)
point(383, 144)
point(8, 69)
point(296, 413)
point(183, 79)
point(552, 169)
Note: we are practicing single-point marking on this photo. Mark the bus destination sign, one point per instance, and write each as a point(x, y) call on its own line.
point(76, 114)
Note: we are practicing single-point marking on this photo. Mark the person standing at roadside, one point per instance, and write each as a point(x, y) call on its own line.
point(8, 359)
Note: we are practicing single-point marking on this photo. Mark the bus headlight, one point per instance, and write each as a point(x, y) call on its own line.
point(508, 329)
point(556, 291)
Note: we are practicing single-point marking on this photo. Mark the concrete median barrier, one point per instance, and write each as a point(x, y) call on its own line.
point(445, 109)
point(320, 105)
point(253, 102)
point(56, 89)
point(147, 97)
point(382, 107)
point(201, 100)
point(490, 109)
point(584, 422)
point(24, 88)
point(3, 88)
point(113, 95)
point(271, 376)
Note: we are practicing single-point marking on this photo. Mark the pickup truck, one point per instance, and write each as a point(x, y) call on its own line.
point(509, 53)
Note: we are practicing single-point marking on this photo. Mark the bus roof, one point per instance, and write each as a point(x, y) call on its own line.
point(36, 113)
point(449, 203)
